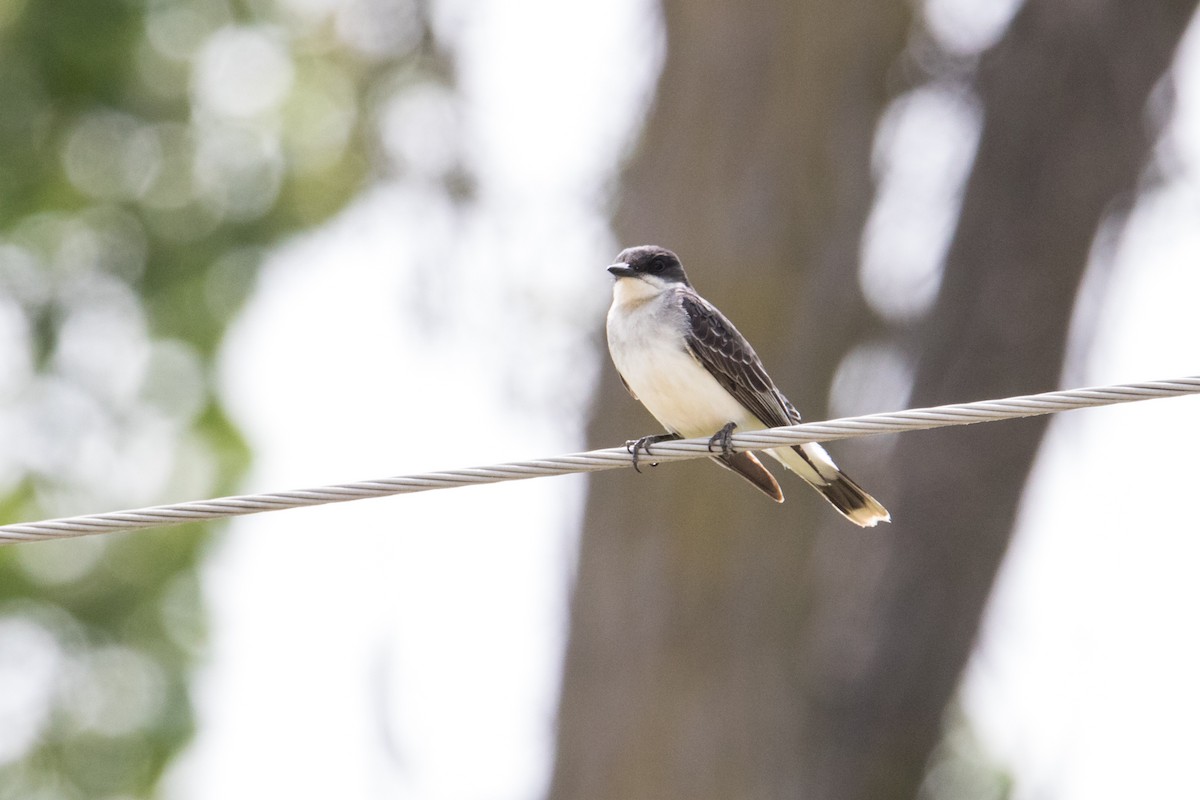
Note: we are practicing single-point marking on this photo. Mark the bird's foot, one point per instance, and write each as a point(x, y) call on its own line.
point(634, 446)
point(722, 439)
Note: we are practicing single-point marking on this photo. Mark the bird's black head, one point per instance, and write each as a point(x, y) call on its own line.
point(654, 264)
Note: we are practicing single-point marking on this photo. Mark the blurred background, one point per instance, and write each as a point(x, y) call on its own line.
point(258, 245)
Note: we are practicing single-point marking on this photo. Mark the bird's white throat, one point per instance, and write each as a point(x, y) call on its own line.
point(635, 291)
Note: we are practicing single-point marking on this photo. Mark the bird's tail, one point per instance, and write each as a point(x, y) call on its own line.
point(813, 464)
point(855, 504)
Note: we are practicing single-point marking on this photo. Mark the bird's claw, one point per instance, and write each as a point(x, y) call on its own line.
point(634, 446)
point(723, 439)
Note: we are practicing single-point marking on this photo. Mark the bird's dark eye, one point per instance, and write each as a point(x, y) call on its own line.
point(656, 265)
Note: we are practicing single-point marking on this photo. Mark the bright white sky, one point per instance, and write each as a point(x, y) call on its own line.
point(411, 646)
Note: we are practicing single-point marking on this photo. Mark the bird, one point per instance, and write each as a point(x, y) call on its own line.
point(696, 374)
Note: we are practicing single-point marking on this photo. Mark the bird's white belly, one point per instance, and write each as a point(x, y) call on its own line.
point(670, 383)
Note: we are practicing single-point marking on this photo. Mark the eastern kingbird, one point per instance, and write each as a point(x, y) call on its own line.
point(691, 369)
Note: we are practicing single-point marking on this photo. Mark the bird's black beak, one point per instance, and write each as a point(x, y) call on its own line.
point(622, 270)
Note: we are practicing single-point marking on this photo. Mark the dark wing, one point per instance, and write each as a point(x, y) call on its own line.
point(750, 468)
point(730, 359)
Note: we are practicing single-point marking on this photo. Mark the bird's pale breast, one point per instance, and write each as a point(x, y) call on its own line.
point(646, 343)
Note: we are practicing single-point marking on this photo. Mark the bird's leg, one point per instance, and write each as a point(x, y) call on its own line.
point(643, 444)
point(722, 439)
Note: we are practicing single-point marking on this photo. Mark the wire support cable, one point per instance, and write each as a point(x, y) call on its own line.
point(612, 458)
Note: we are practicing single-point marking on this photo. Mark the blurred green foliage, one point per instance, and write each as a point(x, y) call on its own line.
point(150, 152)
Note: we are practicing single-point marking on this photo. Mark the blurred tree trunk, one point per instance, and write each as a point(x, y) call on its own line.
point(723, 646)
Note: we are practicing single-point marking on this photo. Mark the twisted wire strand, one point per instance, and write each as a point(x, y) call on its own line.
point(595, 460)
